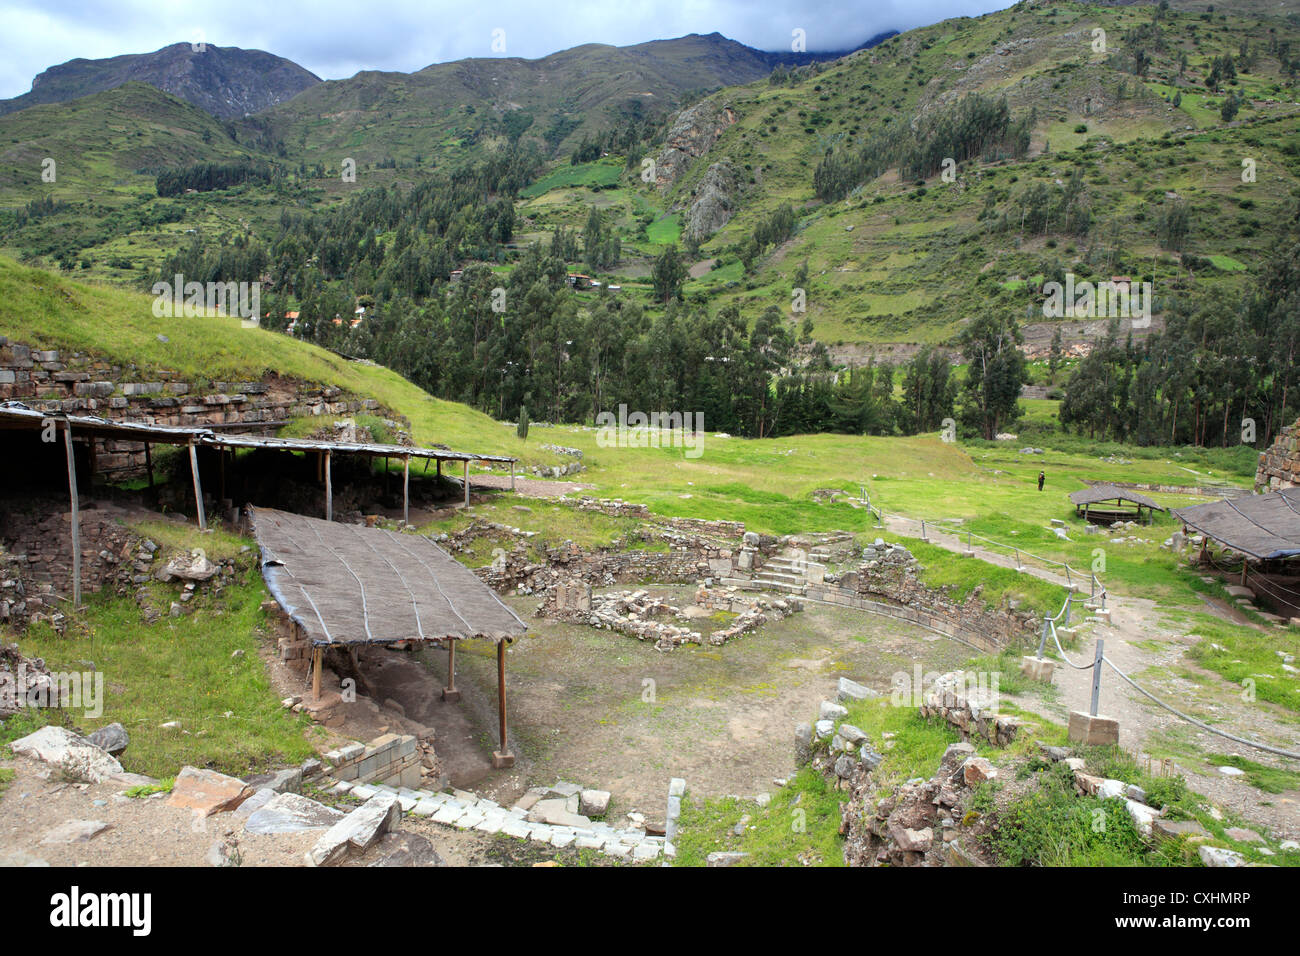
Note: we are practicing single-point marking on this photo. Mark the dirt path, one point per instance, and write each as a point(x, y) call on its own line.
point(1141, 643)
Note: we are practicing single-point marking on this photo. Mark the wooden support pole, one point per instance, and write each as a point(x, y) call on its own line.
point(329, 489)
point(449, 693)
point(438, 471)
point(76, 517)
point(467, 482)
point(502, 758)
point(198, 488)
point(512, 476)
point(406, 489)
point(316, 655)
point(148, 463)
point(221, 462)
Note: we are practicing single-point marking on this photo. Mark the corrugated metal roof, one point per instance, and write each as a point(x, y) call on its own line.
point(1096, 494)
point(1262, 526)
point(353, 448)
point(18, 415)
point(349, 584)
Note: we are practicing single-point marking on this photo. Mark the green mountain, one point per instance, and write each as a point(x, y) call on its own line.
point(448, 110)
point(1128, 166)
point(1137, 122)
point(225, 81)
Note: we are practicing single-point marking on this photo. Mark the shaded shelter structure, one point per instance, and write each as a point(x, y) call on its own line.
point(43, 428)
point(345, 585)
point(1264, 529)
point(61, 430)
point(328, 449)
point(1106, 504)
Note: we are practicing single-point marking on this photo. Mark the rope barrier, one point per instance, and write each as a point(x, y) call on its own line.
point(1204, 726)
point(1098, 588)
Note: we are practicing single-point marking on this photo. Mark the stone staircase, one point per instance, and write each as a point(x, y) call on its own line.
point(790, 571)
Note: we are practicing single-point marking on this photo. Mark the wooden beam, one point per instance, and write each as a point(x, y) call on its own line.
point(502, 758)
point(198, 488)
point(329, 489)
point(76, 517)
point(316, 656)
point(406, 489)
point(450, 693)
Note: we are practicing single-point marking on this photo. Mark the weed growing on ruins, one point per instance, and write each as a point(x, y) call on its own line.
point(6, 777)
point(1051, 825)
point(148, 789)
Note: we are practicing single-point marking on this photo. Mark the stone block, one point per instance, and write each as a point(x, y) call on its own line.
point(1096, 731)
point(1038, 669)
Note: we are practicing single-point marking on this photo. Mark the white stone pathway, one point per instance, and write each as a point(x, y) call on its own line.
point(467, 811)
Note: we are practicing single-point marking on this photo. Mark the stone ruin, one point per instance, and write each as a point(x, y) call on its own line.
point(1279, 464)
point(648, 618)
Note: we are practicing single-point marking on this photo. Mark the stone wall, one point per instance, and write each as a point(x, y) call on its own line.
point(391, 759)
point(66, 382)
point(36, 568)
point(1279, 464)
point(971, 620)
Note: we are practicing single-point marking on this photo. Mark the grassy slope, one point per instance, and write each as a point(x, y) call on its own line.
point(39, 308)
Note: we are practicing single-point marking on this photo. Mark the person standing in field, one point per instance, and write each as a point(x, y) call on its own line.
point(1042, 477)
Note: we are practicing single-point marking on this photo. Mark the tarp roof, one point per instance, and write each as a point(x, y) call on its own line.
point(1262, 526)
point(1096, 494)
point(349, 584)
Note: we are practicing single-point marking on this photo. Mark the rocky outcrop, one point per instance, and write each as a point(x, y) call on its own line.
point(1279, 464)
point(692, 134)
point(714, 201)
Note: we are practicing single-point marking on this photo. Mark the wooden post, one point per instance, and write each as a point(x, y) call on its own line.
point(198, 488)
point(221, 461)
point(449, 693)
point(406, 489)
point(329, 489)
point(502, 758)
point(512, 476)
point(148, 464)
point(76, 517)
point(315, 672)
point(467, 482)
point(439, 469)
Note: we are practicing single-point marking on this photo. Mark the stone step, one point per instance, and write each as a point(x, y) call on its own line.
point(779, 577)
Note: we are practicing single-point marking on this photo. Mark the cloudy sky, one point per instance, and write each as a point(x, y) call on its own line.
point(336, 38)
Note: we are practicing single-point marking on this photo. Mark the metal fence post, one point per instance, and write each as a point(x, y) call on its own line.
point(922, 529)
point(1096, 677)
point(1065, 621)
point(1042, 641)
